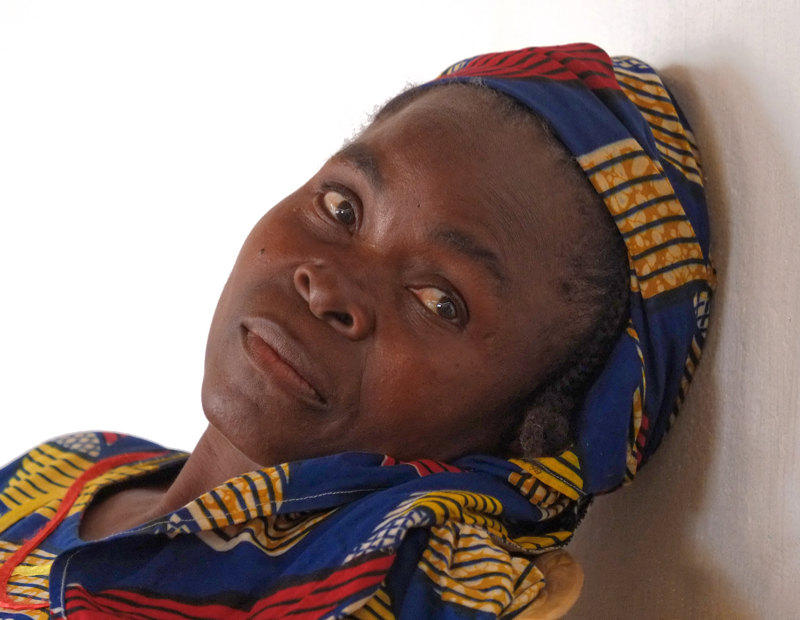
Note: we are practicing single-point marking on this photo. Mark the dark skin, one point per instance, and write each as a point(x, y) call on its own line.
point(404, 297)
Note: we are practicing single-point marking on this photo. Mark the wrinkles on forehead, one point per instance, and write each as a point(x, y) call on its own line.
point(521, 181)
point(520, 185)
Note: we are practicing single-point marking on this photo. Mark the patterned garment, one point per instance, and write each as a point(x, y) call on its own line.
point(363, 536)
point(347, 536)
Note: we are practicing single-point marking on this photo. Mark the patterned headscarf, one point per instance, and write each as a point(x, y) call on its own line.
point(616, 117)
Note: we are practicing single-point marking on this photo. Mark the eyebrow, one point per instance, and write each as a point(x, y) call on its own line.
point(363, 159)
point(465, 245)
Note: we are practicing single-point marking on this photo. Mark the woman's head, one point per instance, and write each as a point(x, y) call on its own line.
point(448, 282)
point(423, 283)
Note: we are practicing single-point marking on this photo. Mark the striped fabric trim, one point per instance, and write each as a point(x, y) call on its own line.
point(559, 475)
point(471, 570)
point(38, 485)
point(647, 92)
point(118, 474)
point(637, 435)
point(551, 541)
point(661, 242)
point(257, 494)
point(30, 581)
point(702, 309)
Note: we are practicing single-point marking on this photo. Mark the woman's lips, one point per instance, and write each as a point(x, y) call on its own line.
point(267, 360)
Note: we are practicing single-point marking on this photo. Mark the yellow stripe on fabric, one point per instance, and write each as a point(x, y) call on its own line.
point(378, 606)
point(534, 490)
point(661, 242)
point(637, 413)
point(42, 570)
point(70, 458)
point(557, 468)
point(10, 518)
point(36, 557)
point(535, 543)
point(221, 506)
point(482, 579)
point(640, 79)
point(274, 535)
point(118, 474)
point(663, 118)
point(556, 475)
point(682, 161)
point(571, 457)
point(468, 508)
point(31, 579)
point(31, 488)
point(693, 142)
point(650, 93)
point(483, 575)
point(526, 590)
point(633, 449)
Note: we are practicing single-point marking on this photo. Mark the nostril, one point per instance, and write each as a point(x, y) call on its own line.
point(302, 283)
point(343, 317)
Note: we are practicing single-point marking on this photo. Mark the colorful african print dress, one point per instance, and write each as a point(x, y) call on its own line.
point(353, 535)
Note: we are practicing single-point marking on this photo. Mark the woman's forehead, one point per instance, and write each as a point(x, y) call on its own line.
point(452, 147)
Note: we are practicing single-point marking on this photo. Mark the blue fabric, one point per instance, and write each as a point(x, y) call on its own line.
point(350, 534)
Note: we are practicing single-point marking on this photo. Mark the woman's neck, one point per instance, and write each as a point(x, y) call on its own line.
point(213, 461)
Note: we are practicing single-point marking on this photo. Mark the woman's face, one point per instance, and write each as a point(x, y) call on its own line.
point(403, 299)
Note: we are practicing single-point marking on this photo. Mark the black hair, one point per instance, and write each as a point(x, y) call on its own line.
point(597, 288)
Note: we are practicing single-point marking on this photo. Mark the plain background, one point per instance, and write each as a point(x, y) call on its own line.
point(140, 141)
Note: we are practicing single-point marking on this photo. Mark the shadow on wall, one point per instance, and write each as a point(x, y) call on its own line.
point(641, 547)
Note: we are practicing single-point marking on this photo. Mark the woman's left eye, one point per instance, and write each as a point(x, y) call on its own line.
point(439, 302)
point(340, 207)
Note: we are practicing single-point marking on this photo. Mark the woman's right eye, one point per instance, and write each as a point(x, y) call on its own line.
point(439, 302)
point(339, 207)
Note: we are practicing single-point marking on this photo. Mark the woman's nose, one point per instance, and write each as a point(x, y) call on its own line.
point(335, 299)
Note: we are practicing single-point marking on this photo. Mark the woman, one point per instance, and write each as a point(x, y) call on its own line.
point(448, 291)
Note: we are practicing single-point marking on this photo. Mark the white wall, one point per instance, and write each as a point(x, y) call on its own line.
point(139, 141)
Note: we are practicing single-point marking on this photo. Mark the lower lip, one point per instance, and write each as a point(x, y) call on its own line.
point(271, 364)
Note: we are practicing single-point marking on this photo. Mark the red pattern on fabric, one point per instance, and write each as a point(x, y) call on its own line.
point(111, 438)
point(578, 62)
point(424, 467)
point(96, 470)
point(307, 601)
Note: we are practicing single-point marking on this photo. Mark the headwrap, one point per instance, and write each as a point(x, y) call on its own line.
point(364, 536)
point(619, 121)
